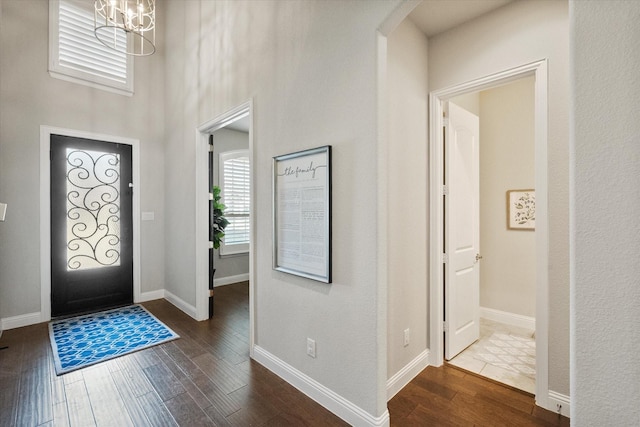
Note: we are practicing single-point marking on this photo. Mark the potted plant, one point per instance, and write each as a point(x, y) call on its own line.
point(219, 221)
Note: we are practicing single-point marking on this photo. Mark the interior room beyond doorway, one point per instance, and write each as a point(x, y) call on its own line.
point(505, 350)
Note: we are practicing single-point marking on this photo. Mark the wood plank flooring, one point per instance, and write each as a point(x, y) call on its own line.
point(451, 396)
point(206, 378)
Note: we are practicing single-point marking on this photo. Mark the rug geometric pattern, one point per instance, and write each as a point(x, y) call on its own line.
point(85, 340)
point(511, 352)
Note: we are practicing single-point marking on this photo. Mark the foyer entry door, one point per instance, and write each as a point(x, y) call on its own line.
point(91, 225)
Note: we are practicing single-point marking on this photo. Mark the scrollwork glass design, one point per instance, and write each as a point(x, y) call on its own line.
point(93, 209)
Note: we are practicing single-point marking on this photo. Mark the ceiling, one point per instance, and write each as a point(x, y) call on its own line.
point(241, 125)
point(436, 16)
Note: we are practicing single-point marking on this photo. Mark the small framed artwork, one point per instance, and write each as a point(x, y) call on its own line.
point(302, 213)
point(521, 209)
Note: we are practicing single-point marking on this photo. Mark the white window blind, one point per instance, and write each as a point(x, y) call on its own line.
point(235, 185)
point(77, 55)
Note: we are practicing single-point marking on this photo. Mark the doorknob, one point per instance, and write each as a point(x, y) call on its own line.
point(478, 257)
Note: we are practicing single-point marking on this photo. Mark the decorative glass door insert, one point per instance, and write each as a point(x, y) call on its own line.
point(93, 209)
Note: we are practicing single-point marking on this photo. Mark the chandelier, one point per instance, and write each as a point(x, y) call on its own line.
point(134, 19)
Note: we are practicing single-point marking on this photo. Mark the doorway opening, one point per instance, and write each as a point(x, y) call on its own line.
point(91, 225)
point(438, 258)
point(502, 345)
point(78, 295)
point(225, 140)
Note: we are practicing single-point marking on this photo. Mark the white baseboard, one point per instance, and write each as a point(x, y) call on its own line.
point(508, 318)
point(151, 295)
point(34, 318)
point(562, 400)
point(20, 321)
point(406, 374)
point(181, 304)
point(231, 279)
point(332, 401)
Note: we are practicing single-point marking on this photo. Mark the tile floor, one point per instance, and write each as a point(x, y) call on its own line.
point(474, 358)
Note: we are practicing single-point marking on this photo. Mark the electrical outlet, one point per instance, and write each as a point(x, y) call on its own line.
point(311, 347)
point(406, 337)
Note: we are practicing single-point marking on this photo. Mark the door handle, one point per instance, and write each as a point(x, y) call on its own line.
point(478, 257)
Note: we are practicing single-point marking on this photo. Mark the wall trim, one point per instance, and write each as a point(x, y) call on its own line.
point(35, 318)
point(180, 304)
point(563, 400)
point(404, 376)
point(231, 279)
point(202, 213)
point(505, 317)
point(151, 295)
point(20, 321)
point(326, 397)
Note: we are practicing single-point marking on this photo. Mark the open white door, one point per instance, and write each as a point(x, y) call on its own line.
point(462, 234)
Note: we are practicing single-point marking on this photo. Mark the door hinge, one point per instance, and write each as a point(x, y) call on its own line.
point(445, 121)
point(445, 190)
point(445, 258)
point(445, 326)
point(211, 148)
point(210, 245)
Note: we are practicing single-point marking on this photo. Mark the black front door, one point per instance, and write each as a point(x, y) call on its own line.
point(91, 225)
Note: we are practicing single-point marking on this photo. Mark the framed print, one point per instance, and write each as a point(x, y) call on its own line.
point(521, 209)
point(302, 213)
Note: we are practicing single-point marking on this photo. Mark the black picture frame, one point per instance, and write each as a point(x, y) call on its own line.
point(302, 213)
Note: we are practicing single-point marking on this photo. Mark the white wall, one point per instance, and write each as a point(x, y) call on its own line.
point(228, 140)
point(469, 101)
point(30, 98)
point(517, 34)
point(605, 234)
point(1, 225)
point(507, 162)
point(408, 217)
point(310, 68)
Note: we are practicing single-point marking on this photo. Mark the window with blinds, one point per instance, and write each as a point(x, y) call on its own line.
point(235, 185)
point(75, 54)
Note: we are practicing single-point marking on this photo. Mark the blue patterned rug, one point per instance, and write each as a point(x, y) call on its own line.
point(85, 340)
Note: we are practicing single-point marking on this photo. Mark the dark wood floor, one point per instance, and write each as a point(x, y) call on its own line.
point(450, 396)
point(207, 378)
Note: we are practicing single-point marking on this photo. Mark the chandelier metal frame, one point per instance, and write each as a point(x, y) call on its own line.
point(136, 18)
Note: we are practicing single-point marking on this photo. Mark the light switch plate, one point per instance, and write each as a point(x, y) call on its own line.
point(3, 211)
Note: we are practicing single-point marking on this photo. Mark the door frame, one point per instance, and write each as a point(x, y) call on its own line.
point(537, 69)
point(202, 212)
point(45, 208)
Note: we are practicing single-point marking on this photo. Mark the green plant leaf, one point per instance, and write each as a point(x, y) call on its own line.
point(219, 221)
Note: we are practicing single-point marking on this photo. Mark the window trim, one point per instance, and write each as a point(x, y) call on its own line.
point(241, 248)
point(62, 72)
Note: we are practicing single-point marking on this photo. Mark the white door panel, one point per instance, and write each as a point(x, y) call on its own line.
point(462, 234)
